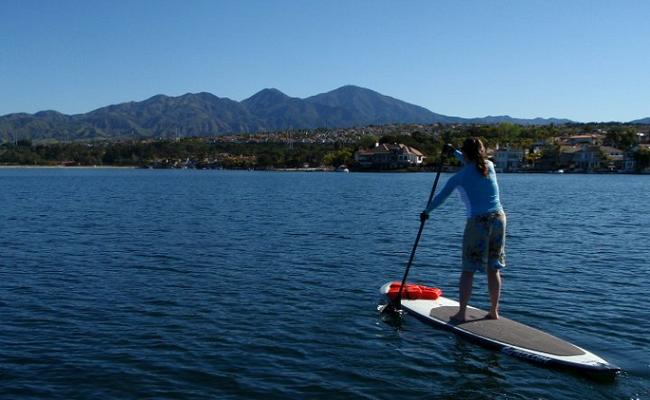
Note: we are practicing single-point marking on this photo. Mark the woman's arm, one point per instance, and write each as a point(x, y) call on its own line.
point(442, 196)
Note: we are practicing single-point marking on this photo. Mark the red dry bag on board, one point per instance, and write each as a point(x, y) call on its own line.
point(413, 292)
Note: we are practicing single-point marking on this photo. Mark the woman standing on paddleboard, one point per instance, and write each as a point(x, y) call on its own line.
point(485, 230)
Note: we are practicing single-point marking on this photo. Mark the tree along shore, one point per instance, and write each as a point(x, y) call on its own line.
point(325, 149)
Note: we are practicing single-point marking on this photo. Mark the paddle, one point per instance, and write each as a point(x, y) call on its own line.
point(394, 308)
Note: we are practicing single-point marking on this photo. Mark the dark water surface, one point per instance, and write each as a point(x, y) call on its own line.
point(134, 284)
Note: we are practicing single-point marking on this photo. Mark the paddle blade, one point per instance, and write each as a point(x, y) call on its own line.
point(391, 314)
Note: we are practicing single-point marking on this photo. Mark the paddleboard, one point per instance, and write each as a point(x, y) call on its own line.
point(506, 335)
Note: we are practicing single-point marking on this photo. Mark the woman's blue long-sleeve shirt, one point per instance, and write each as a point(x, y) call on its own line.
point(479, 193)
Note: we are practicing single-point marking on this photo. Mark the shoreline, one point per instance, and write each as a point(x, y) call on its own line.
point(65, 167)
point(315, 169)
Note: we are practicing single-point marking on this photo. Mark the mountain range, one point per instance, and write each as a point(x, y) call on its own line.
point(644, 121)
point(204, 114)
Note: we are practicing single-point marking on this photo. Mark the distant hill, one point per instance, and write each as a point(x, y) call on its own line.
point(370, 107)
point(189, 114)
point(520, 121)
point(275, 110)
point(644, 121)
point(204, 114)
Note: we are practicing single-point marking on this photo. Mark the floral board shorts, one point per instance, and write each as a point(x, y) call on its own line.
point(484, 242)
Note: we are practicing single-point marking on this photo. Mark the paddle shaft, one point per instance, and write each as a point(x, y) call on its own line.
point(417, 238)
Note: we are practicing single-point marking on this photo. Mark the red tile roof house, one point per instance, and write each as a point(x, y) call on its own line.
point(389, 156)
point(593, 139)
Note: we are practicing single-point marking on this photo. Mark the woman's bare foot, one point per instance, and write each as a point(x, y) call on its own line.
point(457, 318)
point(492, 315)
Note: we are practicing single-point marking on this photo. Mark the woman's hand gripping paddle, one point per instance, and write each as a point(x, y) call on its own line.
point(393, 310)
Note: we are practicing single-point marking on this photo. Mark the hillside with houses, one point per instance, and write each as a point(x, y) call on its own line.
point(569, 148)
point(578, 153)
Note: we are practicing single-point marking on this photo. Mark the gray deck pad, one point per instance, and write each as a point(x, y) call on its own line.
point(507, 331)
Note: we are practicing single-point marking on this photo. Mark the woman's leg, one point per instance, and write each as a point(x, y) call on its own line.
point(465, 292)
point(496, 260)
point(475, 238)
point(494, 288)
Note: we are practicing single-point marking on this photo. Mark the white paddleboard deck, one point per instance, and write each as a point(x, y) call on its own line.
point(508, 336)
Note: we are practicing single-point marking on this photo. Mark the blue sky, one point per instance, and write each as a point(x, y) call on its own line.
point(584, 60)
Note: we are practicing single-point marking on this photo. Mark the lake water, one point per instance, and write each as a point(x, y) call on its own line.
point(134, 284)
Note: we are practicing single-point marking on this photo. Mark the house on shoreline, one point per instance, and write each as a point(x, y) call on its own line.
point(389, 156)
point(583, 156)
point(589, 139)
point(630, 161)
point(509, 159)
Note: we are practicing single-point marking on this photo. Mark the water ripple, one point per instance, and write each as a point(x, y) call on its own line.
point(202, 284)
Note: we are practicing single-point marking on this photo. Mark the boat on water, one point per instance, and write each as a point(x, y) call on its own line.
point(342, 168)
